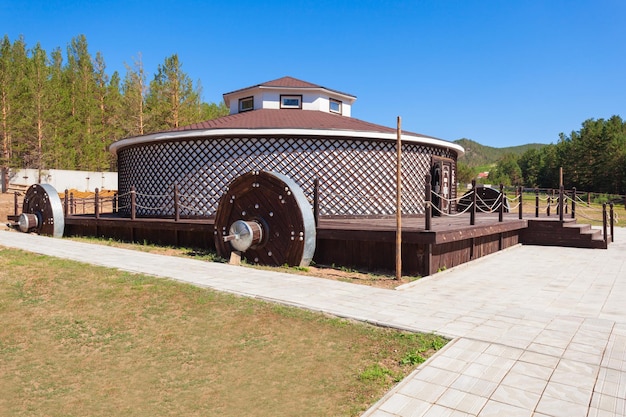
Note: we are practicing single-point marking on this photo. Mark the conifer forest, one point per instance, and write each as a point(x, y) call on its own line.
point(61, 109)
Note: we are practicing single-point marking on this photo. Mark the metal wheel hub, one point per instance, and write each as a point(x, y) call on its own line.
point(42, 211)
point(266, 216)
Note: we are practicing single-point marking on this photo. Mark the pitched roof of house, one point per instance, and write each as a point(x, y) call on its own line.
point(289, 82)
point(291, 119)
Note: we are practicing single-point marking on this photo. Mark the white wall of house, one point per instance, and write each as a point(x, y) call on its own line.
point(270, 99)
point(64, 180)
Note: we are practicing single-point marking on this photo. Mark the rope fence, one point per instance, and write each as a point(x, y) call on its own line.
point(547, 202)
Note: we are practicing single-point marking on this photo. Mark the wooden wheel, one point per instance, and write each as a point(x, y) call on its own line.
point(266, 216)
point(42, 211)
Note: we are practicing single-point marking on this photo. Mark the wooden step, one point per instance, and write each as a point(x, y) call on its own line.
point(569, 234)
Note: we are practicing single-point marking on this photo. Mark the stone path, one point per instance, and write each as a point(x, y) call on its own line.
point(537, 331)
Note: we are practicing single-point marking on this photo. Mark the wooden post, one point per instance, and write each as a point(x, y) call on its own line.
point(114, 203)
point(133, 202)
point(536, 202)
point(15, 204)
point(501, 207)
point(316, 201)
point(96, 206)
point(550, 192)
point(176, 204)
point(561, 194)
point(428, 203)
point(72, 204)
point(520, 200)
point(473, 210)
point(399, 200)
point(612, 223)
point(604, 220)
point(560, 176)
point(66, 202)
point(574, 203)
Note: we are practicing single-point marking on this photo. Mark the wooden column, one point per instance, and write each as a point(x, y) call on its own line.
point(612, 222)
point(96, 205)
point(520, 199)
point(561, 196)
point(574, 203)
point(176, 204)
point(428, 208)
point(316, 201)
point(399, 200)
point(550, 194)
point(536, 202)
point(133, 202)
point(473, 210)
point(501, 207)
point(604, 225)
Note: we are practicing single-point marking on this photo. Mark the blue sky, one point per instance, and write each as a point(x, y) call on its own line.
point(501, 72)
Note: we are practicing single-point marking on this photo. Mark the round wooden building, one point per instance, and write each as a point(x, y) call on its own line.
point(302, 132)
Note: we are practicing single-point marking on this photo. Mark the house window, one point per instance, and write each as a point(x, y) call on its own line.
point(290, 102)
point(246, 104)
point(335, 106)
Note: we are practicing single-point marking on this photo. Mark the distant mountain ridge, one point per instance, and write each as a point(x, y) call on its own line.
point(479, 155)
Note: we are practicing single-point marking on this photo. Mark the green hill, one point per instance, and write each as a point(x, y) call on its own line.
point(481, 155)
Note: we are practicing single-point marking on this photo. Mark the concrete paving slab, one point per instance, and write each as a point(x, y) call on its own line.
point(537, 330)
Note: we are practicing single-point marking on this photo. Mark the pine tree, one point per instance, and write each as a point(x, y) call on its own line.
point(172, 101)
point(64, 114)
point(5, 98)
point(134, 91)
point(39, 87)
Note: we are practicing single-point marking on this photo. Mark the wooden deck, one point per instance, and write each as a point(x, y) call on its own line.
point(367, 244)
point(443, 229)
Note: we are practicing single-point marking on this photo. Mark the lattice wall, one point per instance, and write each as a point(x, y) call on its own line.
point(357, 176)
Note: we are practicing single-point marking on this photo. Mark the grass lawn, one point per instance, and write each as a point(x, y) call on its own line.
point(78, 340)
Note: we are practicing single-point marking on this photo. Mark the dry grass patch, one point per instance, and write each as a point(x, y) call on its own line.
point(79, 340)
point(379, 279)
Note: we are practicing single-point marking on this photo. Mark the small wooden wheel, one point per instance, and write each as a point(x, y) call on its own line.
point(42, 211)
point(267, 217)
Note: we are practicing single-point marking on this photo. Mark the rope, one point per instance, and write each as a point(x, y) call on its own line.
point(152, 195)
point(449, 200)
point(589, 218)
point(193, 197)
point(451, 215)
point(361, 196)
point(153, 208)
point(515, 207)
point(190, 208)
point(491, 208)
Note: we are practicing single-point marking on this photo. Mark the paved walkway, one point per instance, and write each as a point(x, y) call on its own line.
point(538, 331)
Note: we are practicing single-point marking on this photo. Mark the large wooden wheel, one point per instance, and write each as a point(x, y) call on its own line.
point(266, 217)
point(42, 211)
